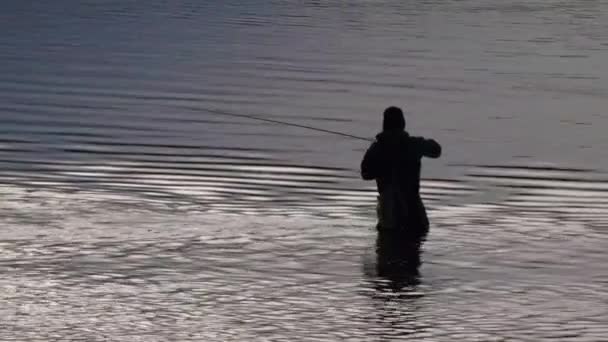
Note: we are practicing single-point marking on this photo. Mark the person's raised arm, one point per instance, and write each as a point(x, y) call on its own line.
point(428, 147)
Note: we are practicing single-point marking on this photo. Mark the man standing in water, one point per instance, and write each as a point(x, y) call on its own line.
point(394, 161)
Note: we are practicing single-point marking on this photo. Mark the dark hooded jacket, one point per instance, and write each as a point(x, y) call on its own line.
point(394, 161)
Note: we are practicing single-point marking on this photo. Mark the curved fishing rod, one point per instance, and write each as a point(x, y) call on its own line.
point(284, 123)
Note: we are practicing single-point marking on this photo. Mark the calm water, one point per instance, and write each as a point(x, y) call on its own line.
point(134, 210)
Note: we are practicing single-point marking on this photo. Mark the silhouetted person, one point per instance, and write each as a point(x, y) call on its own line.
point(394, 161)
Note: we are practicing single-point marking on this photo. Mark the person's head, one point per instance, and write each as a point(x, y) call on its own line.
point(393, 119)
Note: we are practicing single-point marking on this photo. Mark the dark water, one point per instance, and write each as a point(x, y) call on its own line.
point(133, 211)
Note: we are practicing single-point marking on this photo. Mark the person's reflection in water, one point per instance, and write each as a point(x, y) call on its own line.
point(394, 278)
point(397, 262)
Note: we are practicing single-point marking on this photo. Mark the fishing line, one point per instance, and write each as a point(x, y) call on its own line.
point(278, 122)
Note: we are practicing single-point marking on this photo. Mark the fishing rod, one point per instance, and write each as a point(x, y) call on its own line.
point(284, 123)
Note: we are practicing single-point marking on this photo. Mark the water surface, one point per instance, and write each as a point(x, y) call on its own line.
point(132, 209)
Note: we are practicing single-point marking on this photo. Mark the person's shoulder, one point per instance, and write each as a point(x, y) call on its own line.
point(421, 139)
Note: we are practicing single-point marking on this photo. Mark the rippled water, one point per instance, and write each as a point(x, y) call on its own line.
point(133, 209)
